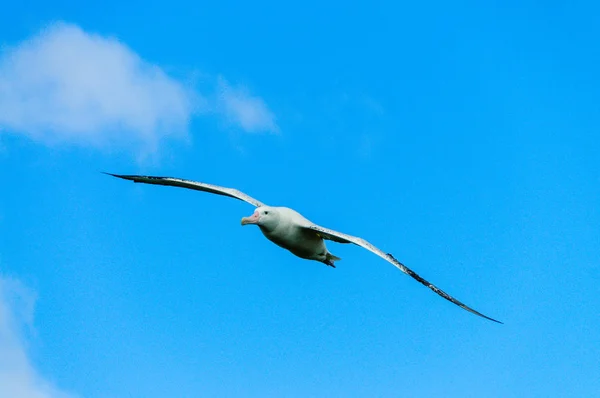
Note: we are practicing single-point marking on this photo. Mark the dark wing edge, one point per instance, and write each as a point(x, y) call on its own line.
point(339, 237)
point(198, 186)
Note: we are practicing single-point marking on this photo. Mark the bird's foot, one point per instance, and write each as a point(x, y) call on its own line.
point(329, 263)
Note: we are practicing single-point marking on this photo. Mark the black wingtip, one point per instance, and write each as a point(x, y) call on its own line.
point(115, 175)
point(493, 320)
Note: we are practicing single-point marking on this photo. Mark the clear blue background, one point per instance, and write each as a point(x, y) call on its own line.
point(461, 137)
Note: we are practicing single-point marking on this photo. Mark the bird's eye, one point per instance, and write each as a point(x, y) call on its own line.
point(266, 212)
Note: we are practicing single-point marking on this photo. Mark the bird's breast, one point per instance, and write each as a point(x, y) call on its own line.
point(300, 241)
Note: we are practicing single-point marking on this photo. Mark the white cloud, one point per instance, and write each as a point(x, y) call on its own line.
point(18, 377)
point(244, 110)
point(66, 85)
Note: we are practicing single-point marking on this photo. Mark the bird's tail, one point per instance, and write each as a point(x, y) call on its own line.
point(330, 259)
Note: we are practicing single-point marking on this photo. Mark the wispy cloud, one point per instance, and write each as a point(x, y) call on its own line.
point(244, 110)
point(66, 85)
point(365, 146)
point(373, 105)
point(18, 377)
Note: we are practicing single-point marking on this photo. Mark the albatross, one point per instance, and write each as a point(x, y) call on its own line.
point(290, 230)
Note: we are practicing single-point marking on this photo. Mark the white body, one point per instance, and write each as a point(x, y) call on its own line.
point(289, 234)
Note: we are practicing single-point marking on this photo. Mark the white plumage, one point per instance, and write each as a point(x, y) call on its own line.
point(290, 230)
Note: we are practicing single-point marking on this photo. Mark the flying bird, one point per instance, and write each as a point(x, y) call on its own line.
point(290, 230)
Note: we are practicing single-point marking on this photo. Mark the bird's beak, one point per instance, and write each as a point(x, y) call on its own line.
point(253, 219)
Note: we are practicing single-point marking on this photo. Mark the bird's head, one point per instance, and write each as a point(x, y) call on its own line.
point(264, 216)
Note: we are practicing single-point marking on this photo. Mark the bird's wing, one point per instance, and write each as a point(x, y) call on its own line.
point(339, 237)
point(199, 186)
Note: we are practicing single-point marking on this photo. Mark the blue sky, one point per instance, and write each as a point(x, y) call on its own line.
point(462, 138)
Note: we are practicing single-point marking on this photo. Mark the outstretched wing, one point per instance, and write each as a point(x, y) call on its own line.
point(198, 186)
point(339, 237)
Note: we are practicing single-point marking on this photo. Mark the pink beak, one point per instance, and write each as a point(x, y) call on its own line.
point(253, 219)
